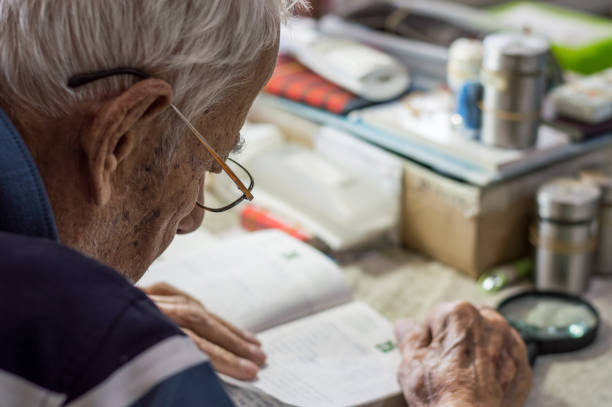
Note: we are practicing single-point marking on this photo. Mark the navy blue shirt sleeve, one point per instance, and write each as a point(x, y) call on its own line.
point(197, 386)
point(79, 329)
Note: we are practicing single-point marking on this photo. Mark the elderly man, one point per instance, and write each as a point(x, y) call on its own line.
point(112, 113)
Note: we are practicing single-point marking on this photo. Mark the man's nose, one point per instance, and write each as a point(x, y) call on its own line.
point(193, 221)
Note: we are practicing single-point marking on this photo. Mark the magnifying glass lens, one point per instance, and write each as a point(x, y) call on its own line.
point(550, 317)
point(551, 322)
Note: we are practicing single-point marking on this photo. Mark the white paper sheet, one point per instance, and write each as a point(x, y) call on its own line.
point(344, 356)
point(256, 281)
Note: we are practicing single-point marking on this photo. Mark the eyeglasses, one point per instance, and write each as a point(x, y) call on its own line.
point(86, 78)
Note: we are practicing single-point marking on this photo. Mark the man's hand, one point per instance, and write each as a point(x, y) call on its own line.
point(463, 356)
point(232, 351)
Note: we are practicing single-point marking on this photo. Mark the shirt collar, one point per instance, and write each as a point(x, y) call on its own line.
point(24, 205)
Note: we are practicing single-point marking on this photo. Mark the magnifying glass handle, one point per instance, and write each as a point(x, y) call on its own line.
point(532, 351)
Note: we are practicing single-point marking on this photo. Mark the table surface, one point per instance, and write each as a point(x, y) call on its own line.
point(401, 284)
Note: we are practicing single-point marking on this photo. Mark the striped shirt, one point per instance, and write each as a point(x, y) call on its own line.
point(75, 332)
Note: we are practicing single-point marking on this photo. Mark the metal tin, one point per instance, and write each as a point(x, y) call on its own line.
point(514, 79)
point(566, 235)
point(603, 255)
point(568, 200)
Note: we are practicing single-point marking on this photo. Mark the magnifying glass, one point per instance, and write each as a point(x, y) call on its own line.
point(551, 322)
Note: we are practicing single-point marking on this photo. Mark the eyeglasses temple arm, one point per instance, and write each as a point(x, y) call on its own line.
point(214, 154)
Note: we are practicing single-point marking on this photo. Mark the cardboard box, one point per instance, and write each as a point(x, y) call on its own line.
point(468, 227)
point(474, 229)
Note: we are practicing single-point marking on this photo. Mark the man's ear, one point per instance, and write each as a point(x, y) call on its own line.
point(110, 138)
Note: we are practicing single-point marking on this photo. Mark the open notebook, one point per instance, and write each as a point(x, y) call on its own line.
point(324, 349)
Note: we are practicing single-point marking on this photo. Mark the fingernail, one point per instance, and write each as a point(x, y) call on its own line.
point(249, 368)
point(257, 353)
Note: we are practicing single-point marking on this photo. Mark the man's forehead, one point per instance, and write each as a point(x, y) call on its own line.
point(269, 58)
point(227, 117)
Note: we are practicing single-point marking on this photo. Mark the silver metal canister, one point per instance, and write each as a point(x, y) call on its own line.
point(514, 79)
point(603, 255)
point(566, 235)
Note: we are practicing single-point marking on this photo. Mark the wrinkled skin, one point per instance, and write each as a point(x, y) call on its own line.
point(232, 351)
point(119, 193)
point(463, 356)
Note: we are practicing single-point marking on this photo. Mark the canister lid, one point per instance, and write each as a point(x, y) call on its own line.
point(568, 200)
point(600, 179)
point(466, 49)
point(516, 52)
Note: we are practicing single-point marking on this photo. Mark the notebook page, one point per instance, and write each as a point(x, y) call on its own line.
point(256, 281)
point(340, 357)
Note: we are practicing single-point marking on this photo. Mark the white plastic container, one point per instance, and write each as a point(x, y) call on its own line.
point(337, 204)
point(464, 62)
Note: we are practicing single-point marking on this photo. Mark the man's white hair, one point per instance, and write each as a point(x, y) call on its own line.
point(201, 47)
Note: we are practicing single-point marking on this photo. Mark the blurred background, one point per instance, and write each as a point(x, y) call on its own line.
point(440, 151)
point(601, 7)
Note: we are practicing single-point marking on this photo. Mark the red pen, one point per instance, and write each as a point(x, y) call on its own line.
point(254, 218)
